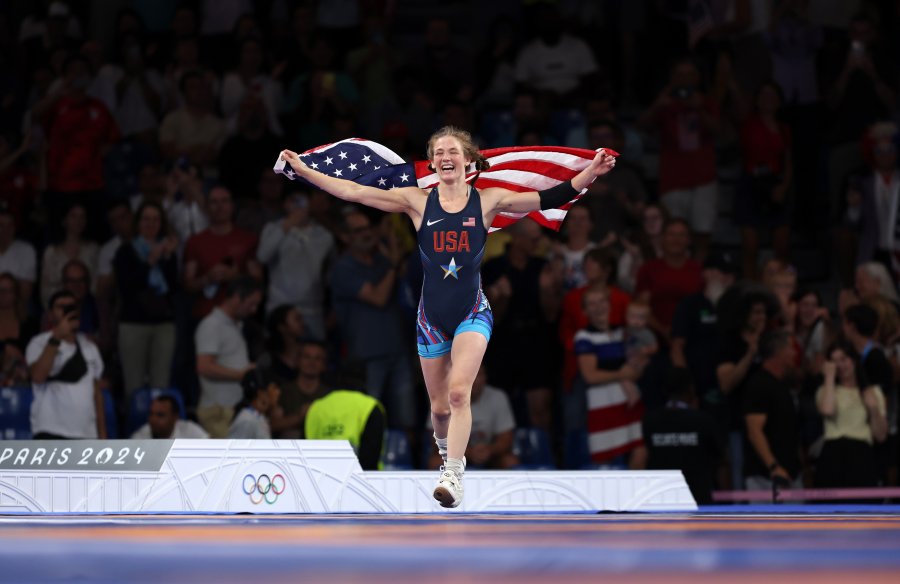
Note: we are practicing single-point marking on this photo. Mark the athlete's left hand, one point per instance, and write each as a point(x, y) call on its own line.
point(603, 162)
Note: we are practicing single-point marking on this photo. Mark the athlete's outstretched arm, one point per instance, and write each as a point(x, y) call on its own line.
point(505, 200)
point(392, 201)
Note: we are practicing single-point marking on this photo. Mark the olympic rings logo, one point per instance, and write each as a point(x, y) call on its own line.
point(263, 488)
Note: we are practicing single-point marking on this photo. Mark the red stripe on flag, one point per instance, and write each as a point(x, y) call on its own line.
point(542, 167)
point(612, 417)
point(607, 455)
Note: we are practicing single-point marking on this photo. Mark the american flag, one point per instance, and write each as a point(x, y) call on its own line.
point(613, 427)
point(520, 169)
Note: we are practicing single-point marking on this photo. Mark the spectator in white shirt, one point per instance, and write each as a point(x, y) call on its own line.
point(65, 371)
point(297, 245)
point(163, 422)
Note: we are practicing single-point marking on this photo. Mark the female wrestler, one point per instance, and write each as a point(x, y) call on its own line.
point(454, 321)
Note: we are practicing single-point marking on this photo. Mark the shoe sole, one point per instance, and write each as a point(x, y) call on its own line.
point(443, 496)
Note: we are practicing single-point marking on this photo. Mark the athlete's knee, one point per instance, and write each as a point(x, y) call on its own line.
point(460, 395)
point(440, 413)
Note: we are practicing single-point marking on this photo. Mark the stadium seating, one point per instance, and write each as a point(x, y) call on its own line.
point(15, 413)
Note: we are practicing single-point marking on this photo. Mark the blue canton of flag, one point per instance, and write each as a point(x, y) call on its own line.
point(362, 161)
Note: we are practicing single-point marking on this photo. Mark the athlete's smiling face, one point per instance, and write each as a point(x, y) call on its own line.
point(449, 159)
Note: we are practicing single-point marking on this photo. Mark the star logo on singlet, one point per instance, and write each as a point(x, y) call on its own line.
point(451, 269)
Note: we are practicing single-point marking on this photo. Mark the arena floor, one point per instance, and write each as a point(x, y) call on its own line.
point(795, 544)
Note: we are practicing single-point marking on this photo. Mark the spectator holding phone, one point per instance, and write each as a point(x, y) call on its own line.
point(65, 371)
point(855, 418)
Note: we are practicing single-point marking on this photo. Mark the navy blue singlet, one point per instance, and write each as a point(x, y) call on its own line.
point(451, 246)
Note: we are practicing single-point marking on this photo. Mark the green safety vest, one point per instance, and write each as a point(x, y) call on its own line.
point(340, 415)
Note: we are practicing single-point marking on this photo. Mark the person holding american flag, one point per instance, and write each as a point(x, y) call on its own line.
point(452, 219)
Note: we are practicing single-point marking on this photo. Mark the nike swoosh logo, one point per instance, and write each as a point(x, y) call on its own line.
point(430, 223)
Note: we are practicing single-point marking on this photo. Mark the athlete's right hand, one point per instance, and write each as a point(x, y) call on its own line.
point(293, 159)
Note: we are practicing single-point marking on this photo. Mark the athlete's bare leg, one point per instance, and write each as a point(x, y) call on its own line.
point(436, 372)
point(465, 360)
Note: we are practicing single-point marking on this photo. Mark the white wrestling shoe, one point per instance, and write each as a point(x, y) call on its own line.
point(449, 490)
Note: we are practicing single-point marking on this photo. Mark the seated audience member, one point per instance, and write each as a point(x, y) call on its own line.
point(773, 436)
point(349, 414)
point(65, 370)
point(146, 272)
point(222, 356)
point(682, 437)
point(72, 247)
point(17, 257)
point(855, 418)
point(16, 330)
point(163, 422)
point(251, 414)
point(298, 393)
point(493, 428)
point(613, 415)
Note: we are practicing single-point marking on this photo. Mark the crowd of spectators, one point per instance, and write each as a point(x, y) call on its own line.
point(145, 241)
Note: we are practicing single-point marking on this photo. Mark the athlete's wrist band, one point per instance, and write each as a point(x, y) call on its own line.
point(557, 196)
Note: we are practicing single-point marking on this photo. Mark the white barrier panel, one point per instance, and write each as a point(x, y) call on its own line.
point(292, 476)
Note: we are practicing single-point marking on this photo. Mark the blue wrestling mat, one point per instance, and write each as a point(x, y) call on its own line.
point(725, 543)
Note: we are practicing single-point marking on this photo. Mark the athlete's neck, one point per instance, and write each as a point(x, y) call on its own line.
point(453, 191)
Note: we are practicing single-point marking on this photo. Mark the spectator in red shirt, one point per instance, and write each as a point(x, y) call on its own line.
point(762, 198)
point(80, 131)
point(663, 282)
point(217, 255)
point(687, 121)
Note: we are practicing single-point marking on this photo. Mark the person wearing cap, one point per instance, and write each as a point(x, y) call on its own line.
point(696, 334)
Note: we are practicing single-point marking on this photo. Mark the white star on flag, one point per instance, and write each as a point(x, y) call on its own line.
point(314, 166)
point(405, 177)
point(290, 173)
point(328, 160)
point(352, 167)
point(367, 159)
point(337, 172)
point(343, 155)
point(382, 182)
